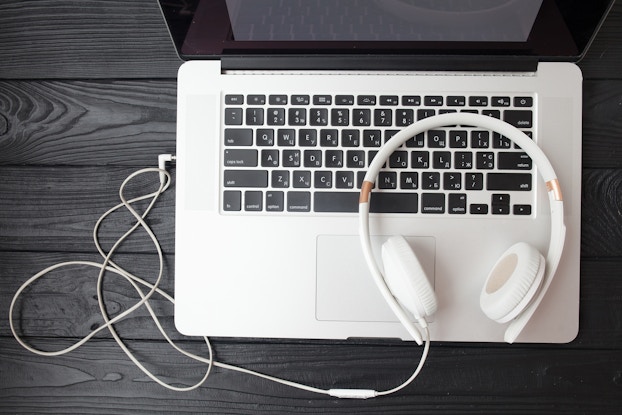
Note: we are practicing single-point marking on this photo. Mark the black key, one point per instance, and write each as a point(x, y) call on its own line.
point(411, 100)
point(437, 138)
point(383, 117)
point(485, 160)
point(500, 101)
point(298, 202)
point(256, 99)
point(322, 99)
point(307, 138)
point(420, 159)
point(389, 100)
point(334, 158)
point(313, 158)
point(232, 200)
point(355, 159)
point(514, 161)
point(246, 178)
point(441, 160)
point(297, 116)
point(398, 160)
point(269, 158)
point(379, 202)
point(265, 137)
point(372, 138)
point(240, 158)
point(433, 100)
point(234, 99)
point(233, 116)
point(361, 117)
point(478, 209)
point(404, 117)
point(500, 204)
point(393, 202)
point(409, 180)
point(254, 116)
point(277, 99)
point(253, 201)
point(431, 180)
point(463, 160)
point(238, 137)
point(276, 116)
point(350, 138)
point(425, 113)
point(519, 118)
point(286, 137)
point(522, 209)
point(457, 203)
point(318, 116)
point(480, 139)
point(291, 158)
point(523, 101)
point(300, 99)
point(274, 201)
point(478, 101)
point(344, 180)
point(339, 117)
point(508, 181)
point(474, 181)
point(280, 179)
point(432, 203)
point(366, 100)
point(301, 179)
point(452, 181)
point(323, 179)
point(456, 101)
point(329, 138)
point(387, 180)
point(344, 99)
point(458, 139)
point(492, 113)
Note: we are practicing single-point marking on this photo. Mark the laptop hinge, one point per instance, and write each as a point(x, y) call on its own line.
point(381, 63)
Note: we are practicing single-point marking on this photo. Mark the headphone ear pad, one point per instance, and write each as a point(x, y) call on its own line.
point(512, 282)
point(406, 278)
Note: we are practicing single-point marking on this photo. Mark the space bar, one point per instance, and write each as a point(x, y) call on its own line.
point(380, 202)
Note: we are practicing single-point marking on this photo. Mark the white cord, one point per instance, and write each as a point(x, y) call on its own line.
point(108, 265)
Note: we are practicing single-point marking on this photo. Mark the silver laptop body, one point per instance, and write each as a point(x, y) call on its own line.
point(269, 162)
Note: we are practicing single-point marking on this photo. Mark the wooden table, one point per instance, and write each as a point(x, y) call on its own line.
point(87, 95)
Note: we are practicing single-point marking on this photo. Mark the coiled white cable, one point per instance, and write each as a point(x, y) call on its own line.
point(108, 265)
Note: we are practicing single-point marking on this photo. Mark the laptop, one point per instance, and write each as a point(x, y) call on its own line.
point(281, 106)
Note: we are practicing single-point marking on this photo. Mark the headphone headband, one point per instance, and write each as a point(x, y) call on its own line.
point(544, 167)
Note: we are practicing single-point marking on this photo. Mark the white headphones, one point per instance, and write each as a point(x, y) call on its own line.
point(517, 282)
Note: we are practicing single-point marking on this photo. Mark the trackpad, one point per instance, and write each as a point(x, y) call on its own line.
point(345, 288)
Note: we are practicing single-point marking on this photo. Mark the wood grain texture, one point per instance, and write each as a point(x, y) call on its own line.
point(87, 123)
point(87, 95)
point(85, 39)
point(546, 381)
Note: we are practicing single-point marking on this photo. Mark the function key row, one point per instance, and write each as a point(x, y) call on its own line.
point(384, 100)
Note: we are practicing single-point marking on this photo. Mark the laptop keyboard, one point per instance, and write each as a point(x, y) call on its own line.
point(302, 153)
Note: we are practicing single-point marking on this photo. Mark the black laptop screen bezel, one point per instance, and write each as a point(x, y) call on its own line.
point(562, 31)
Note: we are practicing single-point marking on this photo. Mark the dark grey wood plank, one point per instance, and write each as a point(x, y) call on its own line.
point(55, 209)
point(116, 39)
point(99, 378)
point(85, 39)
point(86, 122)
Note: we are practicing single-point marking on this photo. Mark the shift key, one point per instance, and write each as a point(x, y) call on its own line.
point(246, 178)
point(508, 181)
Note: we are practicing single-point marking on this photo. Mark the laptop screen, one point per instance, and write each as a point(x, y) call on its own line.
point(534, 29)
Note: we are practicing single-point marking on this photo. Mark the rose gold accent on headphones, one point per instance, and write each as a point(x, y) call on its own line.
point(553, 185)
point(365, 191)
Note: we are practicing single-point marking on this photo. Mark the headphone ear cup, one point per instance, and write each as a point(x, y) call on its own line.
point(406, 278)
point(512, 282)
